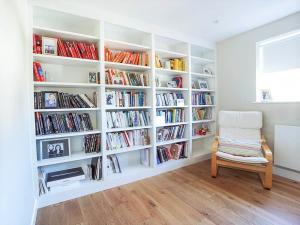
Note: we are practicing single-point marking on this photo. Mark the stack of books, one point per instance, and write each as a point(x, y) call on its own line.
point(168, 99)
point(113, 76)
point(172, 115)
point(136, 58)
point(202, 99)
point(62, 123)
point(125, 98)
point(169, 152)
point(173, 64)
point(91, 143)
point(127, 119)
point(123, 139)
point(170, 133)
point(201, 114)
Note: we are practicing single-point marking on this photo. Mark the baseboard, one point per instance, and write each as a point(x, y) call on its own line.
point(34, 212)
point(286, 173)
point(111, 183)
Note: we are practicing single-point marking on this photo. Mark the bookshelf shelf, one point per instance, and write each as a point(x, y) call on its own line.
point(169, 54)
point(50, 32)
point(201, 75)
point(72, 157)
point(203, 121)
point(171, 141)
point(122, 45)
point(65, 84)
point(114, 86)
point(123, 66)
point(64, 60)
point(70, 75)
point(170, 72)
point(67, 110)
point(128, 149)
point(71, 134)
point(171, 89)
point(172, 124)
point(127, 128)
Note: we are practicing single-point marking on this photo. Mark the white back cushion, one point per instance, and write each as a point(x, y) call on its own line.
point(240, 125)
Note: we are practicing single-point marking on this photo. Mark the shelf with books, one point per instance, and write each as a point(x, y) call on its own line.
point(123, 66)
point(123, 45)
point(73, 157)
point(171, 107)
point(171, 89)
point(66, 109)
point(171, 141)
point(127, 128)
point(171, 124)
point(170, 72)
point(65, 84)
point(203, 106)
point(204, 121)
point(115, 86)
point(202, 75)
point(202, 90)
point(61, 60)
point(128, 149)
point(169, 54)
point(70, 134)
point(127, 108)
point(56, 33)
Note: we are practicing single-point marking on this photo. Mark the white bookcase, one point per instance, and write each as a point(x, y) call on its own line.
point(70, 75)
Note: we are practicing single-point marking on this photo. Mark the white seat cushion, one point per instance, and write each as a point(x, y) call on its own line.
point(242, 159)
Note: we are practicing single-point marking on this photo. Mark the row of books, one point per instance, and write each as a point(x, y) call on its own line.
point(38, 72)
point(54, 99)
point(119, 77)
point(125, 139)
point(172, 64)
point(170, 133)
point(94, 170)
point(113, 165)
point(169, 99)
point(61, 123)
point(171, 115)
point(202, 99)
point(127, 119)
point(125, 98)
point(128, 57)
point(201, 114)
point(91, 143)
point(169, 152)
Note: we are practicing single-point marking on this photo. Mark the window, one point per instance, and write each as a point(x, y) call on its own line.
point(278, 69)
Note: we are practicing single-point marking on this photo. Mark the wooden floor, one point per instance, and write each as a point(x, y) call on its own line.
point(185, 196)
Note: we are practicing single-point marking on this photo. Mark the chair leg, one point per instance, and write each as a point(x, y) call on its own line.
point(214, 166)
point(266, 177)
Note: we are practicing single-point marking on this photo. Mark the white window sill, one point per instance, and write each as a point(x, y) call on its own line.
point(276, 102)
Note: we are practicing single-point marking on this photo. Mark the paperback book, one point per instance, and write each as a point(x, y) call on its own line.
point(125, 98)
point(118, 77)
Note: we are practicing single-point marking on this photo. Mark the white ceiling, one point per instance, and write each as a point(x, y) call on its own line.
point(196, 18)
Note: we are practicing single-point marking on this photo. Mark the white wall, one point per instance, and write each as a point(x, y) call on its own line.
point(16, 186)
point(237, 71)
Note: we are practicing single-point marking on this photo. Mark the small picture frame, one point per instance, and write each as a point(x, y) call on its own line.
point(50, 99)
point(110, 98)
point(94, 77)
point(54, 148)
point(203, 85)
point(207, 71)
point(265, 95)
point(49, 46)
point(172, 84)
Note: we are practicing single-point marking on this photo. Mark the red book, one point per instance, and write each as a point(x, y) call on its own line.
point(38, 42)
point(94, 51)
point(33, 43)
point(40, 71)
point(76, 49)
point(35, 72)
point(88, 51)
point(61, 48)
point(82, 50)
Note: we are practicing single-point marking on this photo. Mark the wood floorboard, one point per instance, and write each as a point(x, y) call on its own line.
point(184, 196)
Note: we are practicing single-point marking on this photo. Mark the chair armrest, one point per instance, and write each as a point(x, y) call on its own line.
point(267, 152)
point(215, 144)
point(263, 139)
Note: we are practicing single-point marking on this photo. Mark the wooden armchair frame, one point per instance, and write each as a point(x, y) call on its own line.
point(264, 170)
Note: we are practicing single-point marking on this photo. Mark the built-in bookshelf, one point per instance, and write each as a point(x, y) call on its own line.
point(146, 110)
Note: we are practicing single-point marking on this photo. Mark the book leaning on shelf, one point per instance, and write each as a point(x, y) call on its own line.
point(63, 100)
point(61, 123)
point(94, 169)
point(168, 99)
point(202, 99)
point(127, 57)
point(169, 152)
point(118, 77)
point(124, 139)
point(113, 165)
point(125, 98)
point(201, 114)
point(91, 143)
point(170, 133)
point(171, 115)
point(127, 119)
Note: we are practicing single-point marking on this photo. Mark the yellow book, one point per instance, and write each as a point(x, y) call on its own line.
point(176, 64)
